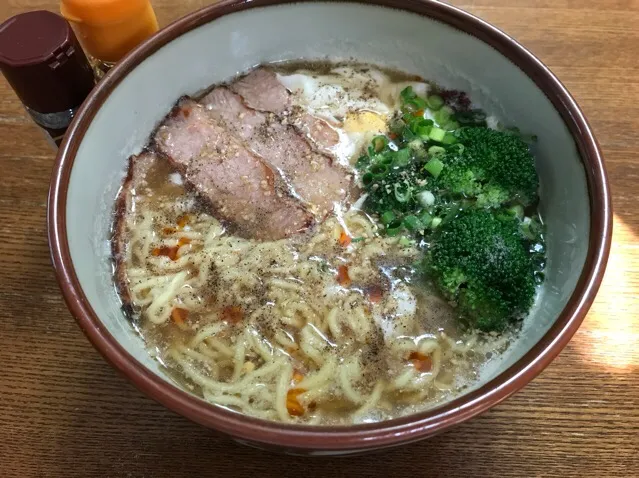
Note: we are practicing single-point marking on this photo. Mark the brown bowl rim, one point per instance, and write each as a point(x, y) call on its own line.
point(356, 437)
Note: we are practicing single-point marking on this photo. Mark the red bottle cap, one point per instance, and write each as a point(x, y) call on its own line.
point(42, 60)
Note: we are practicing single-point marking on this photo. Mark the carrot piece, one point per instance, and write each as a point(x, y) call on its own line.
point(342, 276)
point(170, 252)
point(392, 136)
point(169, 230)
point(421, 362)
point(232, 314)
point(418, 113)
point(293, 405)
point(375, 294)
point(344, 239)
point(179, 315)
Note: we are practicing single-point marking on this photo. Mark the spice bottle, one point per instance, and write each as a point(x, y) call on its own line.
point(109, 29)
point(42, 60)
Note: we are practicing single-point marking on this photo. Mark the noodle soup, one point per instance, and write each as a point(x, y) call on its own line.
point(275, 292)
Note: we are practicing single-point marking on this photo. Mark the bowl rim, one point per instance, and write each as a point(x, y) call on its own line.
point(354, 437)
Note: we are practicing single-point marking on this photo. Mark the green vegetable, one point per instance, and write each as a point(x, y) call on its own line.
point(435, 102)
point(425, 218)
point(443, 115)
point(493, 167)
point(517, 211)
point(480, 261)
point(449, 138)
point(435, 150)
point(379, 143)
point(387, 217)
point(394, 228)
point(412, 223)
point(407, 94)
point(379, 170)
point(434, 167)
point(437, 134)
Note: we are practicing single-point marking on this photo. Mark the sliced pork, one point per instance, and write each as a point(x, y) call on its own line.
point(239, 186)
point(261, 90)
point(310, 174)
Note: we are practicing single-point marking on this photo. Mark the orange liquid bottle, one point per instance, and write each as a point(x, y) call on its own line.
point(109, 29)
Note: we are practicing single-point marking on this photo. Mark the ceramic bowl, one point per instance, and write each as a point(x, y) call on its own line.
point(432, 39)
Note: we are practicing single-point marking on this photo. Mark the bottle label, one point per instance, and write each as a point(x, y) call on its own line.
point(53, 124)
point(53, 121)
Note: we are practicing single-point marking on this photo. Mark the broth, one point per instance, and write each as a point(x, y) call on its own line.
point(334, 325)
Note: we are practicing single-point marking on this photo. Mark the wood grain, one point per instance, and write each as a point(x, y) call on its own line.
point(64, 412)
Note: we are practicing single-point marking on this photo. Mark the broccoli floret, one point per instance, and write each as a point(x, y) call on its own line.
point(492, 166)
point(480, 262)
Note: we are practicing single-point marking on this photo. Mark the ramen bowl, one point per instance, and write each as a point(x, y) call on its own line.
point(427, 38)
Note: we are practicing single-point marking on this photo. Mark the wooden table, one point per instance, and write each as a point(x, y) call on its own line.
point(65, 413)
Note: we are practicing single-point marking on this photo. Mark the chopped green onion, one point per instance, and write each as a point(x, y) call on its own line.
point(437, 134)
point(387, 217)
point(402, 196)
point(456, 148)
point(424, 131)
point(435, 150)
point(379, 143)
point(434, 167)
point(443, 115)
point(449, 138)
point(451, 126)
point(435, 222)
point(418, 125)
point(379, 170)
point(394, 227)
point(435, 102)
point(387, 159)
point(517, 211)
point(426, 198)
point(411, 223)
point(410, 107)
point(425, 218)
point(421, 102)
point(367, 179)
point(402, 157)
point(407, 94)
point(357, 239)
point(407, 134)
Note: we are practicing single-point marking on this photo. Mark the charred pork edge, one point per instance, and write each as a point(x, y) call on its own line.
point(118, 248)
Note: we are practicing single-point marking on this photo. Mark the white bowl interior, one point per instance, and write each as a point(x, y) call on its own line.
point(220, 49)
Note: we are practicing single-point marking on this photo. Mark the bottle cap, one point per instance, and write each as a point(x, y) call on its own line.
point(109, 29)
point(41, 59)
point(101, 12)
